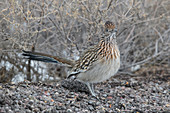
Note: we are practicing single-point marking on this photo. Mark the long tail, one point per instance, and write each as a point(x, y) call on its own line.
point(46, 58)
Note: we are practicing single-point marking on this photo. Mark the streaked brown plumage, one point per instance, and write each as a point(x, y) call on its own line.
point(96, 65)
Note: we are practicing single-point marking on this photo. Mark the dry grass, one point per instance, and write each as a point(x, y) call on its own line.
point(66, 28)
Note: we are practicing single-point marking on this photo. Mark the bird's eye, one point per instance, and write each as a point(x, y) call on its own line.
point(106, 30)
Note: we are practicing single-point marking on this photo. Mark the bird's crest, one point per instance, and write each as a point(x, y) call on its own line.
point(109, 25)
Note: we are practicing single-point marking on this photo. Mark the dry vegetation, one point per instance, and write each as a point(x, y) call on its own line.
point(67, 27)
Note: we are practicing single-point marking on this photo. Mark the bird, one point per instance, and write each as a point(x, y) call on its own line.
point(97, 64)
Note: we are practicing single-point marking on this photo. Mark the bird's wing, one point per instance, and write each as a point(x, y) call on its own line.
point(85, 62)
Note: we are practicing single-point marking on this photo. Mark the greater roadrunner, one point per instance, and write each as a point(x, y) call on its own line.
point(96, 65)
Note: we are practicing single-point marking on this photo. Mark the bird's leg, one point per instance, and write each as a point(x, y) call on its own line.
point(91, 89)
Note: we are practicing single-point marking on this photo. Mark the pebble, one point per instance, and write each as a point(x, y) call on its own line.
point(91, 108)
point(31, 102)
point(28, 111)
point(104, 95)
point(17, 110)
point(77, 109)
point(10, 111)
point(69, 110)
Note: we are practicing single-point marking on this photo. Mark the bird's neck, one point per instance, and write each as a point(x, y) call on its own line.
point(111, 37)
point(108, 49)
point(110, 40)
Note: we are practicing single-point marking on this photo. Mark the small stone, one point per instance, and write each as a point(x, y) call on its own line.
point(51, 103)
point(16, 106)
point(98, 103)
point(69, 110)
point(91, 108)
point(28, 111)
point(76, 109)
point(36, 110)
point(91, 102)
point(104, 95)
point(10, 111)
point(24, 85)
point(46, 111)
point(45, 88)
point(17, 110)
point(15, 102)
point(6, 108)
point(165, 91)
point(107, 105)
point(40, 107)
point(31, 102)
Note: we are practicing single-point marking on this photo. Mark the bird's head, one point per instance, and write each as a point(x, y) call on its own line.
point(110, 30)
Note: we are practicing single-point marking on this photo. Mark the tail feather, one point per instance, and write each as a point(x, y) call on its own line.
point(46, 58)
point(40, 58)
point(34, 56)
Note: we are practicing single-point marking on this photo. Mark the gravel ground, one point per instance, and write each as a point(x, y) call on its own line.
point(122, 94)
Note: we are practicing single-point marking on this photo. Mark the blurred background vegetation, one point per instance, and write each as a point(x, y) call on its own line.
point(68, 27)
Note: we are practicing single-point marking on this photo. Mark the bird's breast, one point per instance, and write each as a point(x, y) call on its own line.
point(106, 65)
